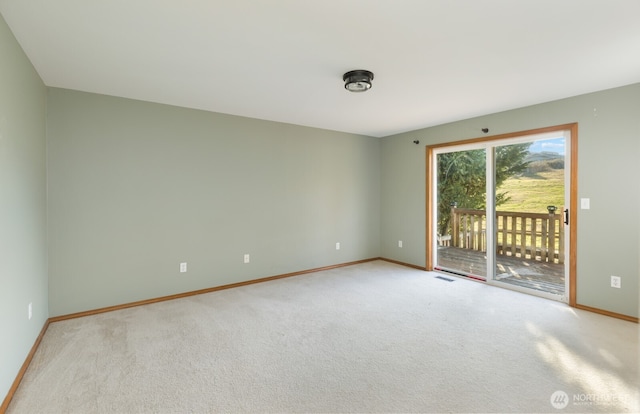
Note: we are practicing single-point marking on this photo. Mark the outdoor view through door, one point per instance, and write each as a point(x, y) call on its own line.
point(500, 211)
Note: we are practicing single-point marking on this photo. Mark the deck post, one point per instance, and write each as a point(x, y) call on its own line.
point(455, 225)
point(551, 240)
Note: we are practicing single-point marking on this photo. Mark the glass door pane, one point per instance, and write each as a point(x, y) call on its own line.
point(529, 221)
point(461, 213)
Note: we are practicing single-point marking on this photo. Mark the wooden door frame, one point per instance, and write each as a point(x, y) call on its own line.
point(573, 192)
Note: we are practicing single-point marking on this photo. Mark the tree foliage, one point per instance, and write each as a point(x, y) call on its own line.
point(461, 178)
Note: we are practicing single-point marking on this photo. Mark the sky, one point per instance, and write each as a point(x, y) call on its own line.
point(550, 145)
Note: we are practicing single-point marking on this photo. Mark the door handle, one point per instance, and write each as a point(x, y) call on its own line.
point(566, 216)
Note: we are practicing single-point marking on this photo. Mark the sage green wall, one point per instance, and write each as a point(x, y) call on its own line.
point(23, 260)
point(608, 171)
point(135, 188)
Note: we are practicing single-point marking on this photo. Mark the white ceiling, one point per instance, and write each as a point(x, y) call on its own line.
point(435, 61)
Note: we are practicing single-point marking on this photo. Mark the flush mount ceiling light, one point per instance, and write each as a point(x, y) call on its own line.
point(357, 80)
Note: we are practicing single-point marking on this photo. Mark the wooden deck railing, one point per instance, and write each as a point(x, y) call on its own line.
point(535, 236)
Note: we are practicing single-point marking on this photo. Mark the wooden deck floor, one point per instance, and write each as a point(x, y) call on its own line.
point(532, 274)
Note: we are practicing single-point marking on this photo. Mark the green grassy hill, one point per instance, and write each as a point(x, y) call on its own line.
point(533, 192)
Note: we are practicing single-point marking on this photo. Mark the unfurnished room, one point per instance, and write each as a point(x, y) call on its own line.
point(302, 206)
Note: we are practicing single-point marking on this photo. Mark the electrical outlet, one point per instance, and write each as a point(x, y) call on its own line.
point(399, 243)
point(616, 282)
point(30, 310)
point(338, 246)
point(183, 267)
point(247, 258)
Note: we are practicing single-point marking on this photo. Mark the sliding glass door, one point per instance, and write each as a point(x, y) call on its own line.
point(500, 211)
point(530, 229)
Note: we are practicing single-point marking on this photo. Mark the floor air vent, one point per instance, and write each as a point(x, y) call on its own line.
point(444, 278)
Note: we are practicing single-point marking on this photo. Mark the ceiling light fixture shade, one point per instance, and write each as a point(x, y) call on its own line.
point(357, 80)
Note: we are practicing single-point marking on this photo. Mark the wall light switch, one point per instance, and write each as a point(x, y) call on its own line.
point(183, 267)
point(585, 203)
point(247, 258)
point(338, 246)
point(399, 243)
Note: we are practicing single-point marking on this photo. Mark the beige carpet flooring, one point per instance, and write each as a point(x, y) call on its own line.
point(374, 337)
